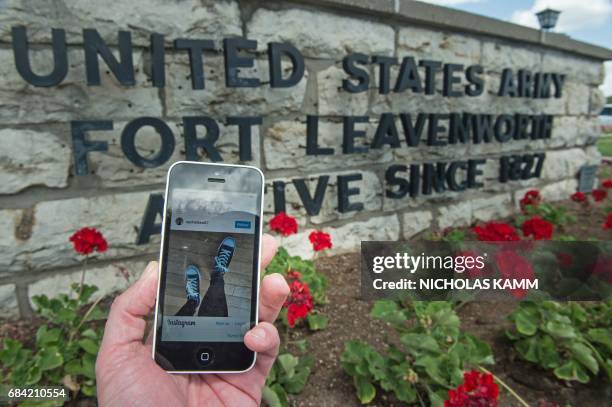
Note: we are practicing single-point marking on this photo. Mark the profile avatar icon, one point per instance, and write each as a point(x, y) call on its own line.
point(179, 221)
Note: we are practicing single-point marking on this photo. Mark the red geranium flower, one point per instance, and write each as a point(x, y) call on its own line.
point(284, 224)
point(602, 268)
point(607, 183)
point(537, 227)
point(608, 223)
point(477, 389)
point(299, 302)
point(293, 275)
point(599, 194)
point(531, 197)
point(513, 266)
point(86, 240)
point(578, 197)
point(496, 232)
point(320, 240)
point(564, 259)
point(471, 269)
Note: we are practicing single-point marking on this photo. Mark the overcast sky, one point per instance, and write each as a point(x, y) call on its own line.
point(584, 20)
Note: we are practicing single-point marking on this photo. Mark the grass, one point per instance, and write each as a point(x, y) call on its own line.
point(605, 145)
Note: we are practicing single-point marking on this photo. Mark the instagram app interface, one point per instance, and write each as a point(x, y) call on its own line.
point(209, 272)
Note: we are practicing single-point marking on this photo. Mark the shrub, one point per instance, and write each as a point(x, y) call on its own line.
point(430, 358)
point(65, 348)
point(575, 340)
point(289, 374)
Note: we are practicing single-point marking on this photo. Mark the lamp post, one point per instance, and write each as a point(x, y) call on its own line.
point(548, 19)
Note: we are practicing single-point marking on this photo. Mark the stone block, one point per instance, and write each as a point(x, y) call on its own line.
point(177, 19)
point(8, 301)
point(21, 103)
point(32, 158)
point(415, 222)
point(38, 239)
point(320, 35)
point(218, 100)
point(285, 146)
point(434, 44)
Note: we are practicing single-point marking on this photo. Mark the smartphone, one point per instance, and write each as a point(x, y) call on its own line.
point(208, 290)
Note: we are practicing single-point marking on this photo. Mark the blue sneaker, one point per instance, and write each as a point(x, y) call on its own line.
point(192, 283)
point(224, 255)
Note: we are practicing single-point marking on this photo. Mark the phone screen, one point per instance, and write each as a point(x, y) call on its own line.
point(209, 269)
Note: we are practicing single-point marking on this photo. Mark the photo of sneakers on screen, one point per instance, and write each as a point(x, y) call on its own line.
point(209, 275)
point(214, 303)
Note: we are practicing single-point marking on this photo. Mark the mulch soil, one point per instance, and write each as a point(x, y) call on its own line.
point(348, 316)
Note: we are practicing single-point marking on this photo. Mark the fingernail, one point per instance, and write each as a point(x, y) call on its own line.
point(258, 333)
point(150, 270)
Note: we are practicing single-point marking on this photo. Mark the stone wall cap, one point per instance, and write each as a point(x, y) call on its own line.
point(456, 20)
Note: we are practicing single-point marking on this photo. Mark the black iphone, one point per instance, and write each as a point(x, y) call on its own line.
point(207, 297)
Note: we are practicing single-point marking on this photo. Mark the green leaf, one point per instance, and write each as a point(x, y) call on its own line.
point(10, 352)
point(387, 310)
point(49, 358)
point(572, 371)
point(528, 349)
point(436, 399)
point(97, 314)
point(89, 366)
point(33, 375)
point(271, 398)
point(416, 343)
point(90, 333)
point(365, 390)
point(89, 346)
point(288, 362)
point(73, 367)
point(478, 351)
point(281, 395)
point(316, 322)
point(45, 336)
point(302, 372)
point(608, 368)
point(526, 322)
point(86, 292)
point(602, 336)
point(584, 355)
point(301, 345)
point(560, 330)
point(546, 352)
point(434, 368)
point(405, 391)
point(355, 351)
point(89, 390)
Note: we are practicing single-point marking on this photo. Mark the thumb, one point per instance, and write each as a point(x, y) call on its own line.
point(125, 322)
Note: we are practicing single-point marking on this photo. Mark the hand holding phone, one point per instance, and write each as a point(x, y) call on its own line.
point(209, 268)
point(126, 374)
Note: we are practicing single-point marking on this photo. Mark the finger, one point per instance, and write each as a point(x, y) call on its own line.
point(126, 322)
point(268, 249)
point(263, 338)
point(274, 292)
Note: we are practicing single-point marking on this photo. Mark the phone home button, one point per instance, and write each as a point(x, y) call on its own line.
point(204, 356)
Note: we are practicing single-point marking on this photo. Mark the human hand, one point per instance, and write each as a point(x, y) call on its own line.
point(128, 376)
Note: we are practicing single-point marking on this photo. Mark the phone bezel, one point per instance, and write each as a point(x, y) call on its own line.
point(162, 252)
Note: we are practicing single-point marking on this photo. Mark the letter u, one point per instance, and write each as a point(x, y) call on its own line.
point(22, 60)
